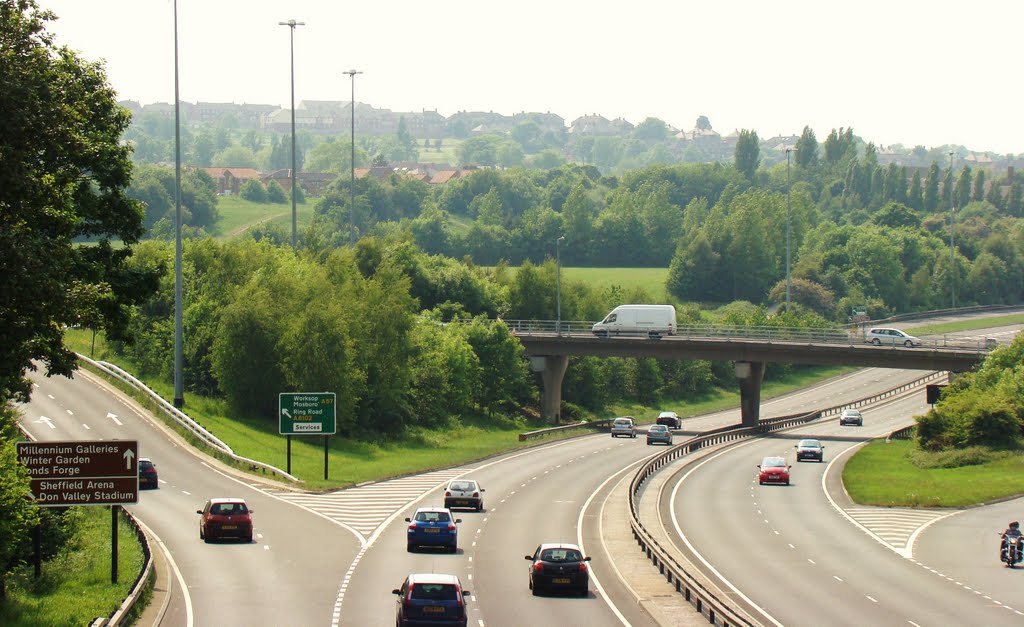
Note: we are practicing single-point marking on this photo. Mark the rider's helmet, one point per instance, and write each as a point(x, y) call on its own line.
point(1015, 525)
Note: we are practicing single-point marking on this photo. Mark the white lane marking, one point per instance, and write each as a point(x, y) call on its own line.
point(46, 421)
point(693, 549)
point(579, 541)
point(70, 413)
point(87, 426)
point(870, 598)
point(908, 551)
point(836, 577)
point(177, 574)
point(114, 418)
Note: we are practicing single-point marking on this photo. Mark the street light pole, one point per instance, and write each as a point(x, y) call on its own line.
point(952, 225)
point(352, 164)
point(179, 359)
point(291, 24)
point(558, 283)
point(788, 150)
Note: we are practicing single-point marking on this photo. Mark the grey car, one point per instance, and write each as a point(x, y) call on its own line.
point(851, 417)
point(624, 425)
point(659, 434)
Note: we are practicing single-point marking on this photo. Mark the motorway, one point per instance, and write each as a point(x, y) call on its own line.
point(333, 558)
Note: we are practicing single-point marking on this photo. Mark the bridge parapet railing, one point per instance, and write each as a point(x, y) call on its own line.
point(799, 335)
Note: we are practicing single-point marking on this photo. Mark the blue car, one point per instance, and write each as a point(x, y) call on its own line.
point(433, 526)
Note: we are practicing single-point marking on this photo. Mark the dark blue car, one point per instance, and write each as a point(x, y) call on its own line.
point(433, 526)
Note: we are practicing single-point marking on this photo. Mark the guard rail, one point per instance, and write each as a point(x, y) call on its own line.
point(718, 610)
point(183, 419)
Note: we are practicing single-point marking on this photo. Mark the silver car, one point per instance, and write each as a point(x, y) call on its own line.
point(885, 336)
point(851, 417)
point(659, 434)
point(625, 426)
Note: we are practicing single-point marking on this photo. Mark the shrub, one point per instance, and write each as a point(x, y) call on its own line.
point(254, 191)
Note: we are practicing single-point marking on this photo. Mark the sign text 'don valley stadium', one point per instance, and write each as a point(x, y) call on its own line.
point(82, 472)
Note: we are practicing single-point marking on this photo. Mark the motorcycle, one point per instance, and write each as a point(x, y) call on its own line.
point(1012, 552)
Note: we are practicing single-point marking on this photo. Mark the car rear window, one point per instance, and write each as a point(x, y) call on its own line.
point(658, 429)
point(462, 486)
point(560, 555)
point(622, 422)
point(432, 517)
point(434, 592)
point(145, 464)
point(773, 463)
point(228, 509)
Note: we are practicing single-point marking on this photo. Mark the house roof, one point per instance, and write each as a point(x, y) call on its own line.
point(238, 173)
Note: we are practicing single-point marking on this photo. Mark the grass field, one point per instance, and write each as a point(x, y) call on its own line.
point(237, 215)
point(881, 474)
point(650, 280)
point(75, 586)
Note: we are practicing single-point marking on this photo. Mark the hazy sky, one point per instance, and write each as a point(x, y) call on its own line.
point(928, 72)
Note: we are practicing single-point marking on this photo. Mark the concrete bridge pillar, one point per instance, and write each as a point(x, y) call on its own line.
point(750, 374)
point(551, 369)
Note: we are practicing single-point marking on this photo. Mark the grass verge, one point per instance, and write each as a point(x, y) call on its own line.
point(882, 473)
point(75, 587)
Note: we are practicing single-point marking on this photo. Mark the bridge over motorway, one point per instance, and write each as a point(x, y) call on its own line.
point(549, 344)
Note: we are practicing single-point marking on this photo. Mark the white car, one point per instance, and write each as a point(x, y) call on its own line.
point(464, 493)
point(886, 336)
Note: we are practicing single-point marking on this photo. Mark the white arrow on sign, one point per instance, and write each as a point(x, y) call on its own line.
point(285, 413)
point(46, 420)
point(128, 455)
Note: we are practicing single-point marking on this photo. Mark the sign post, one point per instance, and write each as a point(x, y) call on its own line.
point(307, 413)
point(65, 473)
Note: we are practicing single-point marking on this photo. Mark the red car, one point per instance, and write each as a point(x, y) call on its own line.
point(225, 518)
point(773, 470)
point(431, 599)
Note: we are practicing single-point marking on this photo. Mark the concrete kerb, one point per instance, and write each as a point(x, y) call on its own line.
point(651, 588)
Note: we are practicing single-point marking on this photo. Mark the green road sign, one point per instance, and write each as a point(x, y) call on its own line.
point(304, 413)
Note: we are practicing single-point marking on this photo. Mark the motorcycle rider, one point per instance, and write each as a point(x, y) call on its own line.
point(1013, 534)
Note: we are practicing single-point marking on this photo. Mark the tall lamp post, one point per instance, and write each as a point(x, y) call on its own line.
point(291, 24)
point(558, 284)
point(788, 151)
point(179, 386)
point(352, 164)
point(952, 224)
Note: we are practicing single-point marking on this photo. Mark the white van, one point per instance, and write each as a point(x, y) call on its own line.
point(650, 320)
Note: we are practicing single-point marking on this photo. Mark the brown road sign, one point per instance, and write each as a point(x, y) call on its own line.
point(104, 472)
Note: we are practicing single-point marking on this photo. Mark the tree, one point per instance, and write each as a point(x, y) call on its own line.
point(276, 193)
point(234, 156)
point(979, 186)
point(703, 123)
point(806, 148)
point(651, 129)
point(18, 514)
point(931, 189)
point(254, 191)
point(60, 180)
point(747, 156)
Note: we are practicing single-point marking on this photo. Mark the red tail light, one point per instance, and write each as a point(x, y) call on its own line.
point(583, 567)
point(476, 495)
point(408, 595)
point(447, 492)
point(412, 525)
point(538, 567)
point(451, 526)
